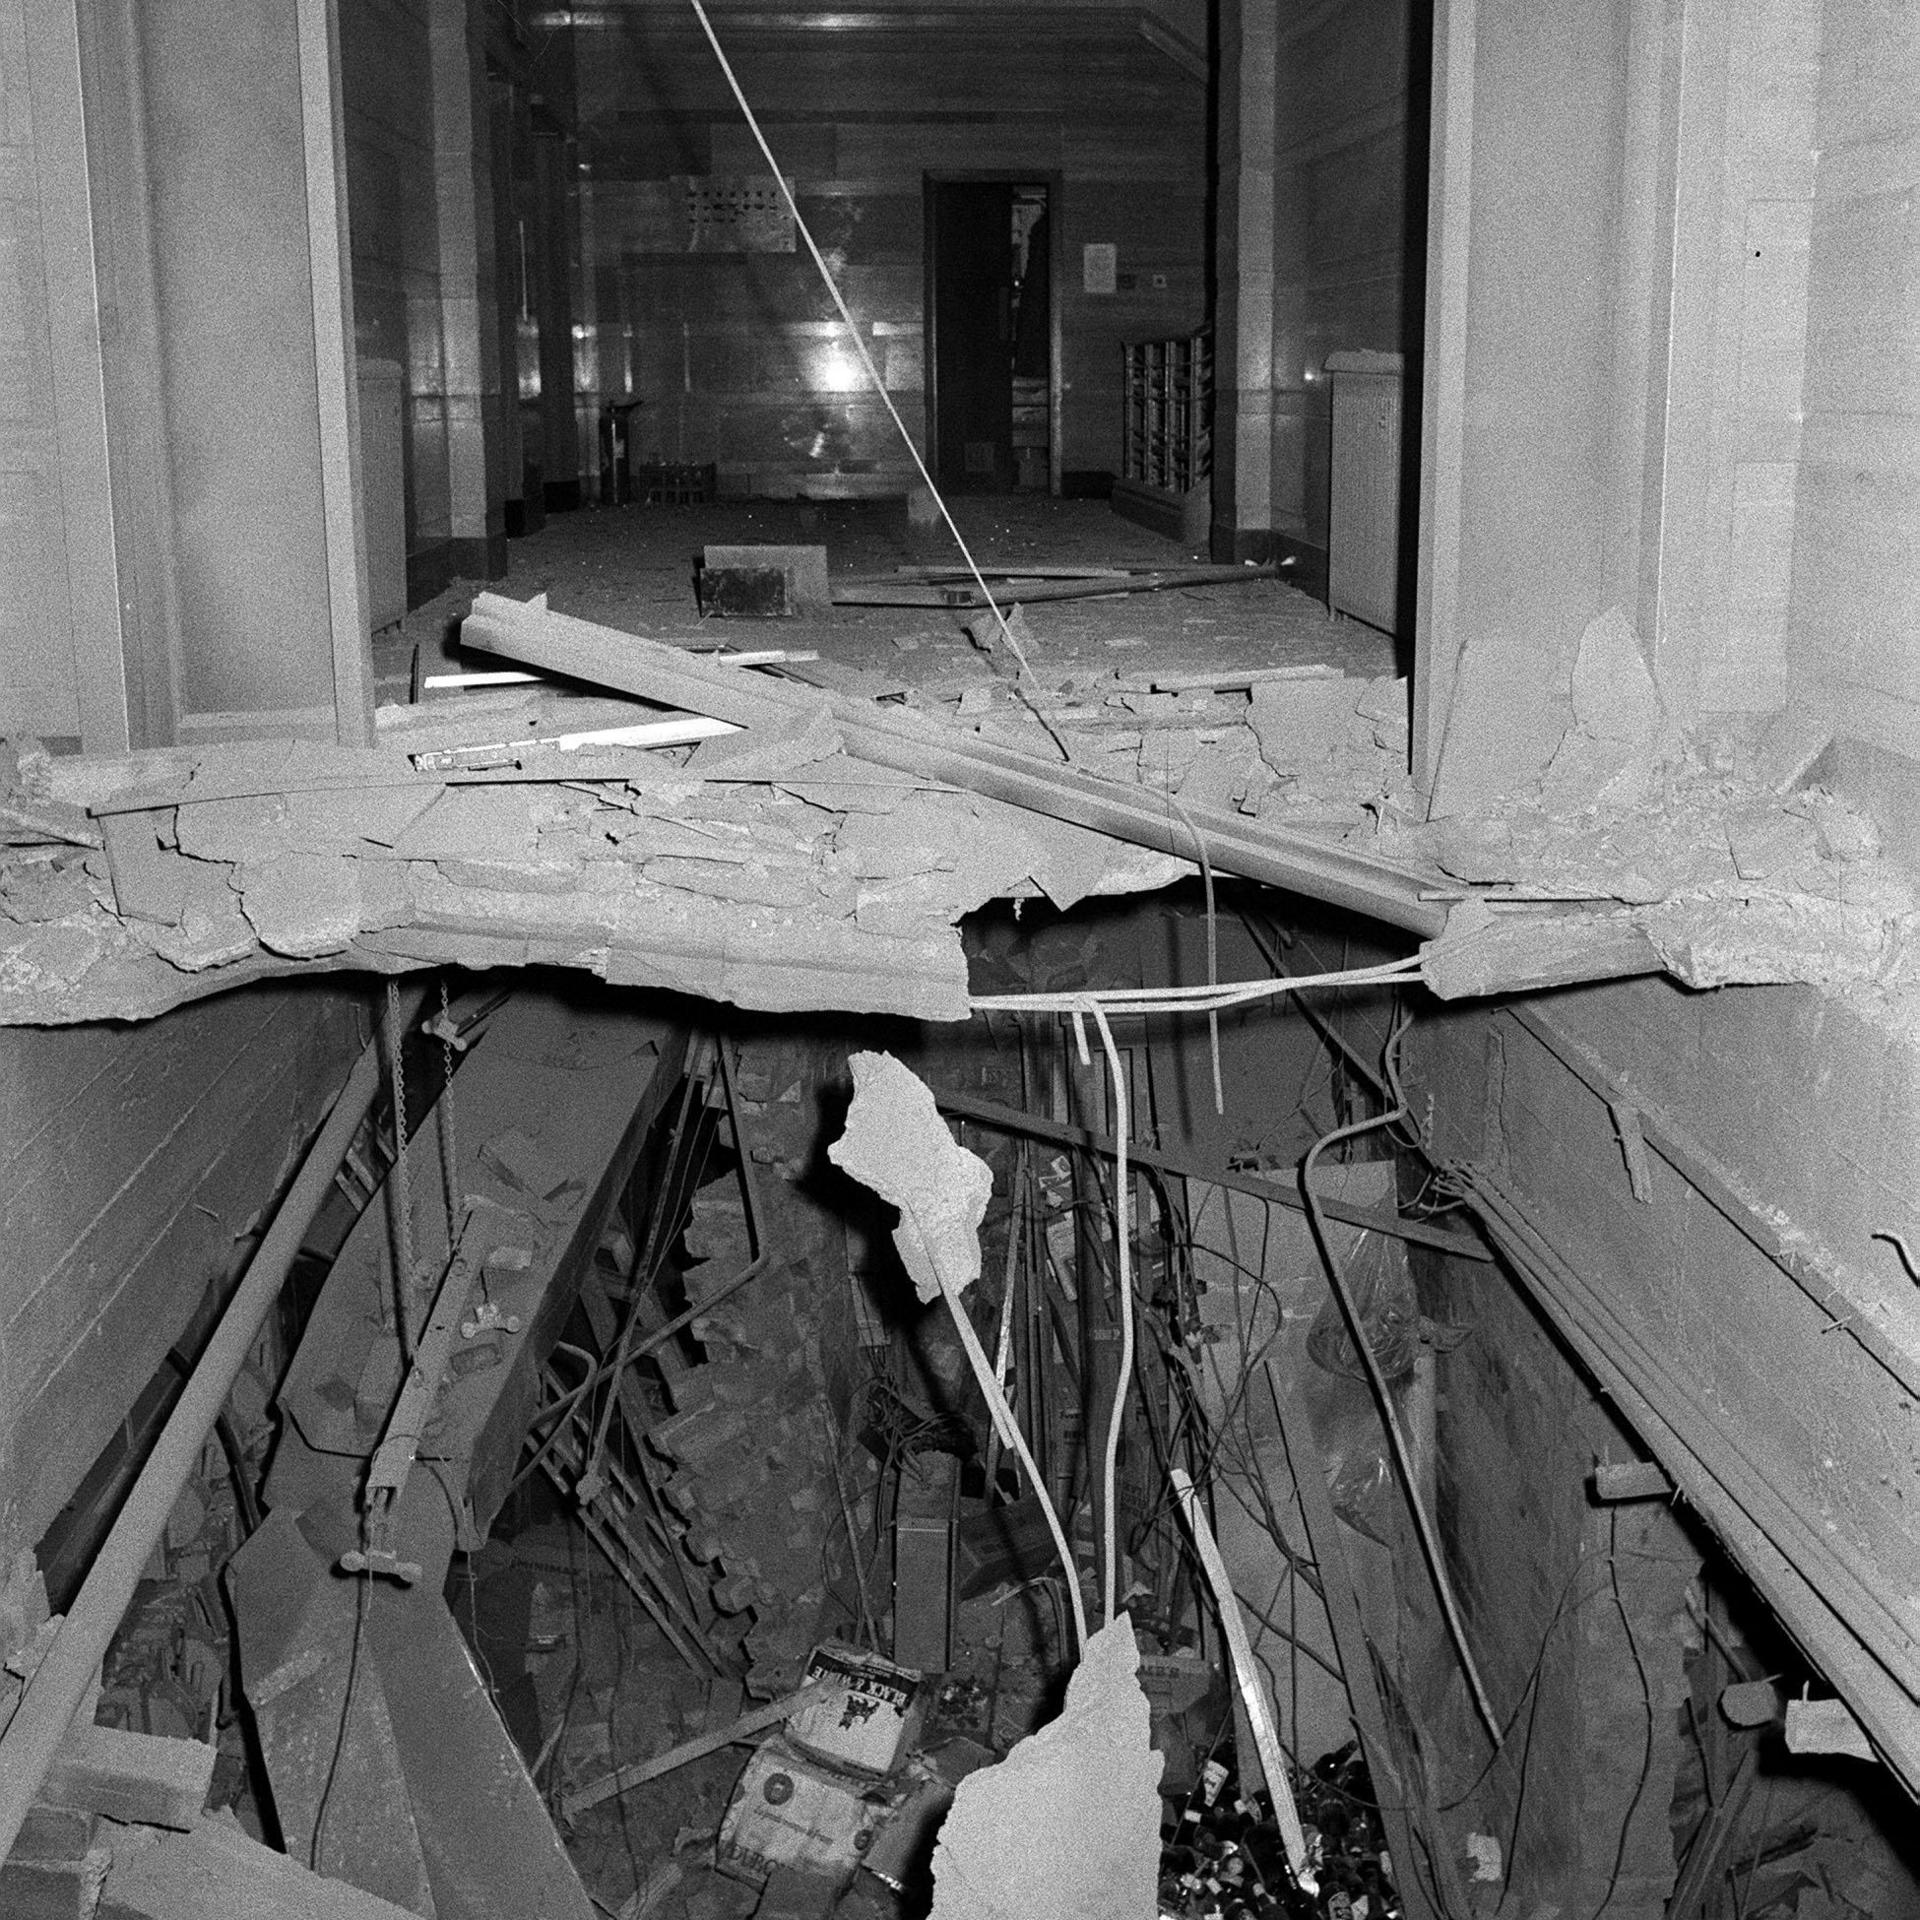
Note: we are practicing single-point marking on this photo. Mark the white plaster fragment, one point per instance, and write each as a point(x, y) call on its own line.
point(896, 1143)
point(1068, 1824)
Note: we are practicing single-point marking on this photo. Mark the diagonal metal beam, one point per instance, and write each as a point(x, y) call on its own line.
point(1297, 861)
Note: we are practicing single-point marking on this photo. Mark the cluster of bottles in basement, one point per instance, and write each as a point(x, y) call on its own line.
point(1225, 1859)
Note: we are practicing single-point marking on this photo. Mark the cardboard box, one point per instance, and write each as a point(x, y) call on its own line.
point(871, 1717)
point(790, 1811)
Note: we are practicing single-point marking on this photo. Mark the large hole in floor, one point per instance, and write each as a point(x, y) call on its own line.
point(526, 1635)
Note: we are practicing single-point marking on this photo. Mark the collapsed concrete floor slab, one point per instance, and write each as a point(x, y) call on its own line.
point(897, 772)
point(698, 1451)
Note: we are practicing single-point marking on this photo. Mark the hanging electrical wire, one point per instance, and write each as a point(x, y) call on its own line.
point(1213, 948)
point(1383, 1393)
point(1230, 993)
point(443, 1118)
point(400, 1187)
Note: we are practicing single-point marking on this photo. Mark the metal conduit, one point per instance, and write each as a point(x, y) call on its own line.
point(33, 1736)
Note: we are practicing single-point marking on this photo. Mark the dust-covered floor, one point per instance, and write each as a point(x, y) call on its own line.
point(634, 567)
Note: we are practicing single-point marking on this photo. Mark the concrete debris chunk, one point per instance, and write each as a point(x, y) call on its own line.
point(1068, 1824)
point(846, 785)
point(254, 769)
point(212, 931)
point(1301, 724)
point(1222, 771)
point(1766, 844)
point(750, 884)
point(924, 834)
point(896, 1143)
point(302, 904)
point(38, 891)
point(1585, 772)
point(1614, 697)
point(472, 823)
point(1790, 745)
point(1489, 950)
point(217, 1869)
point(1608, 756)
point(138, 1777)
point(1842, 830)
point(329, 820)
point(513, 876)
point(27, 822)
point(149, 882)
point(767, 753)
point(984, 630)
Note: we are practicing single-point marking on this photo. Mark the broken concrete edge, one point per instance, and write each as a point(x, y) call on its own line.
point(300, 890)
point(138, 1778)
point(1068, 1824)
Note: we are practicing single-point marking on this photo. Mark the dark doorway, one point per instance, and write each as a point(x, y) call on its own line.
point(990, 331)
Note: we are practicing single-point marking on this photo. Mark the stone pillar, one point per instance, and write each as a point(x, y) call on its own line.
point(256, 372)
point(470, 322)
point(1243, 338)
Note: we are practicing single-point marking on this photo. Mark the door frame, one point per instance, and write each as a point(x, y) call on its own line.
point(1056, 255)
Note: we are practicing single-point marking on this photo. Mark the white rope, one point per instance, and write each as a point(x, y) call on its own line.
point(853, 331)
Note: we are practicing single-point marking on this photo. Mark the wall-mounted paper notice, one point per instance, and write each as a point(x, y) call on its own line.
point(1099, 266)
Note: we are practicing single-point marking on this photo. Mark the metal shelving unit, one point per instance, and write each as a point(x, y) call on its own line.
point(1167, 440)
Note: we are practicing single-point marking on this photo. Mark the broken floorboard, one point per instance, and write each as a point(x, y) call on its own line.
point(1025, 585)
point(217, 1869)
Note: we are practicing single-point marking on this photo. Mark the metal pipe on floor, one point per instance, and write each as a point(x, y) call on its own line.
point(60, 1682)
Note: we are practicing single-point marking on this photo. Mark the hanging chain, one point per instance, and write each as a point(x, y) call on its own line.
point(449, 1152)
point(400, 1208)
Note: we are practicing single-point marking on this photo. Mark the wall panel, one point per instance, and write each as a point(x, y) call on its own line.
point(134, 1162)
point(858, 117)
point(1853, 646)
point(39, 679)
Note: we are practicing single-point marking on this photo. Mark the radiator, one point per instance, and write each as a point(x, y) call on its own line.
point(1363, 519)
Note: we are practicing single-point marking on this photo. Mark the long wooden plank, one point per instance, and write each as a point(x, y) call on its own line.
point(1391, 1787)
point(638, 1772)
point(1246, 1673)
point(1298, 862)
point(1027, 585)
